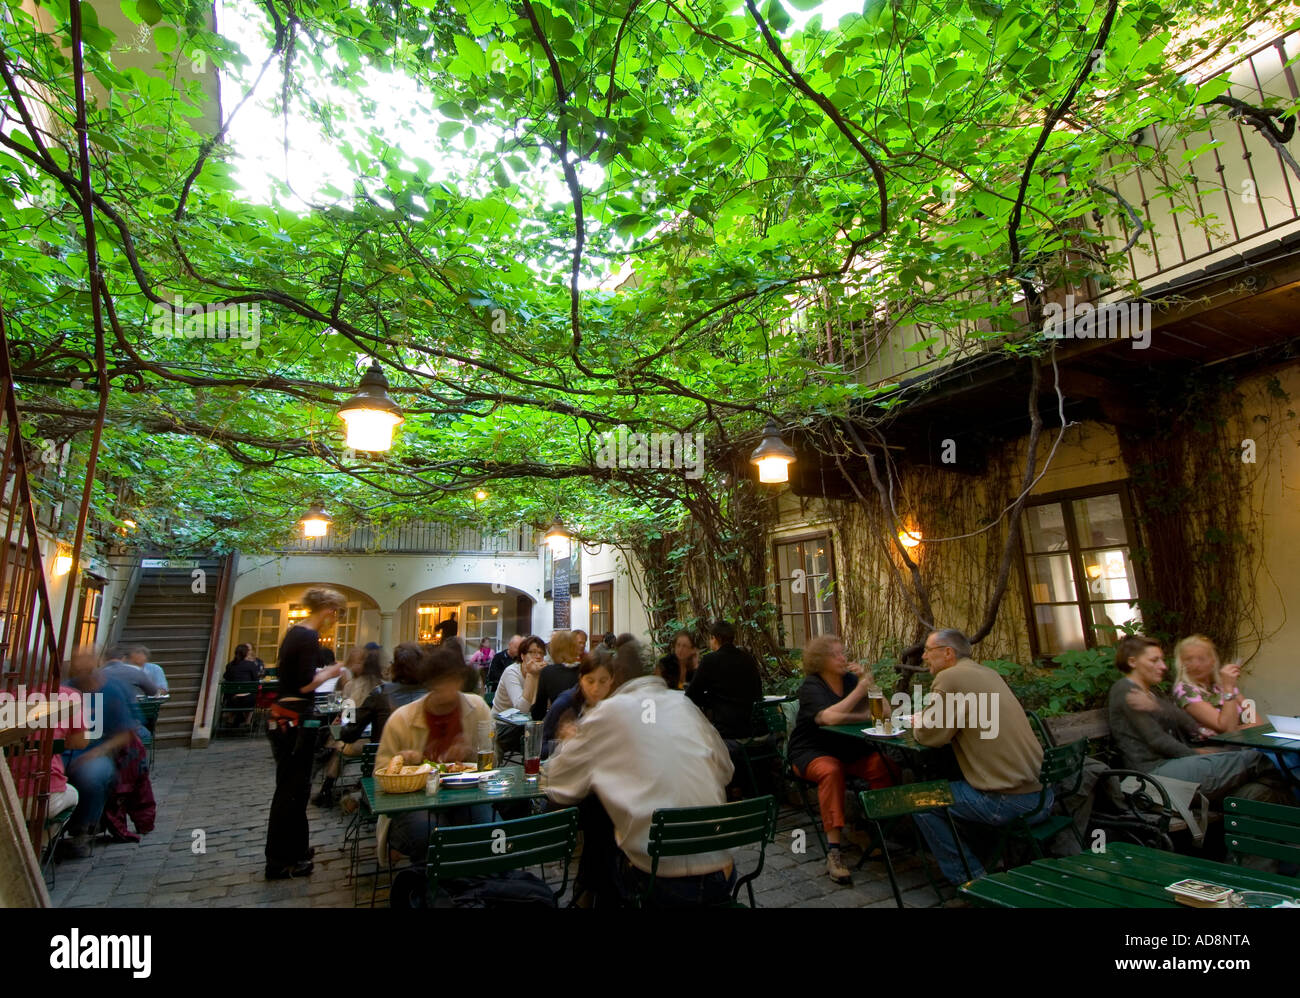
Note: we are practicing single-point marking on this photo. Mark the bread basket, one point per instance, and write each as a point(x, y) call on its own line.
point(390, 784)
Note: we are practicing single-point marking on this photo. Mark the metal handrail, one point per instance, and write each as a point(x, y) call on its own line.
point(210, 679)
point(30, 656)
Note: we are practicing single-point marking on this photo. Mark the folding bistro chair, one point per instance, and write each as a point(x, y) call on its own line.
point(767, 721)
point(459, 851)
point(687, 831)
point(246, 713)
point(892, 803)
point(1062, 769)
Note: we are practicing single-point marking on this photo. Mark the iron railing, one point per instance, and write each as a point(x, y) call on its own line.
point(29, 652)
point(420, 537)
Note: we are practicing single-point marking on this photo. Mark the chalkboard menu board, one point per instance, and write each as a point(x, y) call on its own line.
point(561, 593)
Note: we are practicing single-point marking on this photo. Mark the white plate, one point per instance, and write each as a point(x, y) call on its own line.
point(876, 733)
point(458, 781)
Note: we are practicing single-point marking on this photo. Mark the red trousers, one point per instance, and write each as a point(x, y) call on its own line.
point(830, 774)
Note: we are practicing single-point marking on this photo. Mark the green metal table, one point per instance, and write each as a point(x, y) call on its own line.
point(1260, 739)
point(1124, 876)
point(381, 803)
point(905, 740)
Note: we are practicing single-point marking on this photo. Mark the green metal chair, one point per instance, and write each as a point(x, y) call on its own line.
point(892, 803)
point(481, 850)
point(688, 831)
point(776, 721)
point(1040, 729)
point(56, 827)
point(149, 714)
point(244, 711)
point(766, 745)
point(1062, 770)
point(363, 822)
point(1256, 828)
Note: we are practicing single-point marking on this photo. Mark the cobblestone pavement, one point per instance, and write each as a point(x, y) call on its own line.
point(225, 791)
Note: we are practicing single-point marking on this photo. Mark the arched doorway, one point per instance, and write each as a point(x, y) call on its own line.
point(261, 619)
point(482, 611)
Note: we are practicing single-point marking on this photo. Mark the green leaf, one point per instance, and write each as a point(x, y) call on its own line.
point(149, 11)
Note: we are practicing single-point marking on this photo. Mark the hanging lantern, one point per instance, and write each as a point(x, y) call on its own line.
point(63, 562)
point(316, 522)
point(370, 415)
point(557, 537)
point(773, 456)
point(910, 536)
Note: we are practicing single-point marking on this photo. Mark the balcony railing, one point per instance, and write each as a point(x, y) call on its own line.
point(421, 538)
point(1243, 188)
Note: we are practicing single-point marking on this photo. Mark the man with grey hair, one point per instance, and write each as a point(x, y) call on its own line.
point(503, 659)
point(971, 707)
point(642, 748)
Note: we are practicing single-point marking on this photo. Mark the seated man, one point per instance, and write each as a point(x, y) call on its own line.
point(139, 657)
point(640, 749)
point(1000, 761)
point(117, 667)
point(110, 712)
point(726, 686)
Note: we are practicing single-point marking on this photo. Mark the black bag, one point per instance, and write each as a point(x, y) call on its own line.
point(504, 890)
point(511, 889)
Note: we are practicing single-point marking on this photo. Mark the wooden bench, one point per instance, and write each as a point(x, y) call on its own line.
point(1095, 725)
point(1087, 724)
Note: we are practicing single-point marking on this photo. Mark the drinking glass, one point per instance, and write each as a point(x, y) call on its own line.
point(876, 701)
point(485, 747)
point(533, 750)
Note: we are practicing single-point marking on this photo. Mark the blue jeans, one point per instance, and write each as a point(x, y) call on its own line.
point(409, 832)
point(93, 778)
point(979, 807)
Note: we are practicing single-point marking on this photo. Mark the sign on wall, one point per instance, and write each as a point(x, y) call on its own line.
point(561, 594)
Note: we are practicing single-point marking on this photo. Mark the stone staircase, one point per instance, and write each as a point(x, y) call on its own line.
point(175, 623)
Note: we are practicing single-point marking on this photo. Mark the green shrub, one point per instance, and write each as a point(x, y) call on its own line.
point(1077, 680)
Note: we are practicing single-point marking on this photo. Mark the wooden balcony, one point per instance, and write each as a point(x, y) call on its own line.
point(1243, 191)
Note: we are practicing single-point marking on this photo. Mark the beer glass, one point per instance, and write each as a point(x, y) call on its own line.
point(533, 750)
point(876, 702)
point(485, 748)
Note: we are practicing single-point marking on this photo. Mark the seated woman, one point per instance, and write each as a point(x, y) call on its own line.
point(368, 675)
point(243, 668)
point(439, 727)
point(560, 675)
point(678, 666)
point(835, 692)
point(407, 686)
point(1155, 737)
point(1207, 690)
point(595, 680)
point(518, 689)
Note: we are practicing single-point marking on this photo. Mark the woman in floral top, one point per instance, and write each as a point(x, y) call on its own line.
point(1207, 690)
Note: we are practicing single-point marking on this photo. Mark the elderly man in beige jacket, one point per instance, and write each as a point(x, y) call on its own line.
point(970, 706)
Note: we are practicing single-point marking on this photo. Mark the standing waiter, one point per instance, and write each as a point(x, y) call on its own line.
point(293, 744)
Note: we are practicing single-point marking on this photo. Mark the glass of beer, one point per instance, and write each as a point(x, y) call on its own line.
point(876, 702)
point(533, 750)
point(485, 747)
